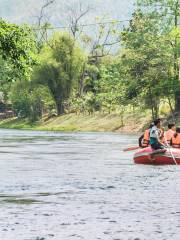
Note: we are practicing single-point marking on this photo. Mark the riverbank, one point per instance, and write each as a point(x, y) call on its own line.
point(131, 123)
point(85, 123)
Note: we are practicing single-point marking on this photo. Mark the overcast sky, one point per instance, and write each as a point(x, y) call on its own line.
point(26, 10)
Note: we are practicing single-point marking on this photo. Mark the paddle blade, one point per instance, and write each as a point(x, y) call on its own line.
point(130, 149)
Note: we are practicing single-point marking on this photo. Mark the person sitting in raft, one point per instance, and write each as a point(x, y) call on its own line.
point(155, 135)
point(175, 141)
point(161, 135)
point(170, 133)
point(144, 138)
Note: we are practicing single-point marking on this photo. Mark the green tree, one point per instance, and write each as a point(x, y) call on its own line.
point(61, 67)
point(167, 12)
point(29, 100)
point(17, 47)
point(111, 86)
point(147, 61)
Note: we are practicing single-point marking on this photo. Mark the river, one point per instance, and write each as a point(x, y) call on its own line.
point(73, 186)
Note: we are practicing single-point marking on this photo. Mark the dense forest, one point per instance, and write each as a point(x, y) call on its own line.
point(46, 71)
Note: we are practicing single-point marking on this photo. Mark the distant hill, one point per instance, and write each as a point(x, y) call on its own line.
point(21, 11)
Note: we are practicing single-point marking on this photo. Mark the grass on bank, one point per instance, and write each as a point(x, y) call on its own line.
point(87, 123)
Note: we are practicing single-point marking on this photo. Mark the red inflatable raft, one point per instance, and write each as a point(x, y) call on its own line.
point(157, 157)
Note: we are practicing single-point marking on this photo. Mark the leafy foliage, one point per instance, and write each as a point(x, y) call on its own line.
point(29, 100)
point(17, 46)
point(60, 68)
point(86, 74)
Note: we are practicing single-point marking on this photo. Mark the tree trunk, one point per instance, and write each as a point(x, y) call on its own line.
point(176, 65)
point(152, 104)
point(177, 102)
point(59, 106)
point(81, 82)
point(170, 105)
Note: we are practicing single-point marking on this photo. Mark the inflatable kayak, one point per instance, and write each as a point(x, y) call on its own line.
point(157, 157)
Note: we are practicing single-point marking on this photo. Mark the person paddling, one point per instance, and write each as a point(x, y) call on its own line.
point(175, 141)
point(155, 135)
point(170, 133)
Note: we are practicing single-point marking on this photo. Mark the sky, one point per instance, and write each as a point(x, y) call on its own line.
point(26, 11)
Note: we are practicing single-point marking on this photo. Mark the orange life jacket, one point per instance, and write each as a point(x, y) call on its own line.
point(168, 135)
point(146, 138)
point(161, 135)
point(176, 141)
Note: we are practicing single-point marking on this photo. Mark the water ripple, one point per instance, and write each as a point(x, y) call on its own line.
point(83, 186)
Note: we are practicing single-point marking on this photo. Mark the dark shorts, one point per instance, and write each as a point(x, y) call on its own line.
point(157, 146)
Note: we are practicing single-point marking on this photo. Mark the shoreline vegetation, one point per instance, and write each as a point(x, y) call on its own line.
point(132, 71)
point(81, 123)
point(131, 123)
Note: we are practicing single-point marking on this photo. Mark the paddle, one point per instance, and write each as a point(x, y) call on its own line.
point(170, 150)
point(130, 149)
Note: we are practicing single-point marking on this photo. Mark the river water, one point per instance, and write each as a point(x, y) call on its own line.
point(73, 186)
